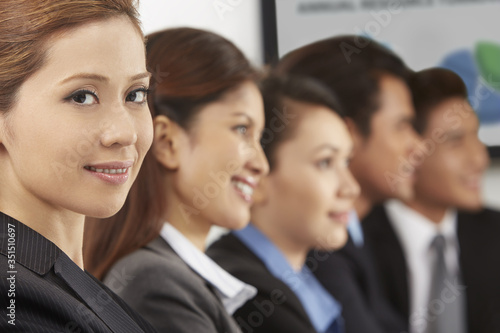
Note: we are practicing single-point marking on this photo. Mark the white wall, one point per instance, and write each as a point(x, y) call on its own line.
point(237, 20)
point(491, 185)
point(240, 22)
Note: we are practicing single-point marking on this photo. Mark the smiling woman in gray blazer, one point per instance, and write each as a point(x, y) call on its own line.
point(205, 162)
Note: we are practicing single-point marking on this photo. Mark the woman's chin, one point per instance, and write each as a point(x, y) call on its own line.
point(334, 241)
point(102, 212)
point(236, 222)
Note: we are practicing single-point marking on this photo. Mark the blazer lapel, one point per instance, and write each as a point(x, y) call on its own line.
point(383, 243)
point(255, 273)
point(96, 298)
point(38, 254)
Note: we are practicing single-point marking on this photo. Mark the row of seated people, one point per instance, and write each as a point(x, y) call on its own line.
point(349, 183)
point(373, 122)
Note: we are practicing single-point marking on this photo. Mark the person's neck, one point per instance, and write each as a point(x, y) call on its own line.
point(432, 211)
point(363, 206)
point(195, 229)
point(294, 252)
point(63, 228)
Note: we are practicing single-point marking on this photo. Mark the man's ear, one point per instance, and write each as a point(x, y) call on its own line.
point(356, 135)
point(167, 141)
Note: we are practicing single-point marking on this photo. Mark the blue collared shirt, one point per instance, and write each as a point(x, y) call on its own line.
point(323, 310)
point(355, 230)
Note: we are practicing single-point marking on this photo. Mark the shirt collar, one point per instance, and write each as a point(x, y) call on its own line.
point(355, 230)
point(31, 249)
point(233, 292)
point(416, 231)
point(319, 304)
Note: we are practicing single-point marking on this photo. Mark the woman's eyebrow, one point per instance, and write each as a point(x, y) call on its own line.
point(242, 114)
point(87, 76)
point(327, 146)
point(141, 76)
point(102, 78)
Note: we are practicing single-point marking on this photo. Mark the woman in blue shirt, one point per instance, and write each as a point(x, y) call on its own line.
point(302, 204)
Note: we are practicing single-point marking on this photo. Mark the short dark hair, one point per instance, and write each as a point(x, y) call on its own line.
point(431, 87)
point(352, 67)
point(278, 91)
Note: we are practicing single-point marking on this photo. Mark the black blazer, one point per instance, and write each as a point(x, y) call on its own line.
point(349, 275)
point(160, 286)
point(479, 240)
point(48, 292)
point(276, 308)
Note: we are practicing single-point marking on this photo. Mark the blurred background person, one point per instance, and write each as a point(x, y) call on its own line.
point(74, 130)
point(202, 170)
point(302, 204)
point(436, 253)
point(371, 85)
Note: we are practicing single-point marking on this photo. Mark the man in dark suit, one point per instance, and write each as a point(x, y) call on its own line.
point(371, 84)
point(453, 287)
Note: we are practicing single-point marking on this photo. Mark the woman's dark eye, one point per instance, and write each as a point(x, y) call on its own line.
point(138, 96)
point(84, 98)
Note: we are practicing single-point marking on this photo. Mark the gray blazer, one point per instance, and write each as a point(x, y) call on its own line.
point(159, 285)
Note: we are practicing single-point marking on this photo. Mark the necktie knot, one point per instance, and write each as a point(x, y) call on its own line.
point(438, 243)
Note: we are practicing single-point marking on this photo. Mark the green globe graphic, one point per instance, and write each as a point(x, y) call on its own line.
point(488, 60)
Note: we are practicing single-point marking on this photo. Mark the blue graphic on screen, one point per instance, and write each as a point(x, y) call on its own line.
point(480, 70)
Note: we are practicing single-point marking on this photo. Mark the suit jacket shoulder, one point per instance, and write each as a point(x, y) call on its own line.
point(160, 286)
point(479, 241)
point(477, 235)
point(276, 308)
point(44, 291)
point(349, 275)
point(388, 257)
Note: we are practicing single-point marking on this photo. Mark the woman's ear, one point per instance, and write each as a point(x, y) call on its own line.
point(3, 129)
point(2, 126)
point(166, 142)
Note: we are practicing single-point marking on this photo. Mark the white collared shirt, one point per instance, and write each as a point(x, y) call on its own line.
point(416, 234)
point(233, 292)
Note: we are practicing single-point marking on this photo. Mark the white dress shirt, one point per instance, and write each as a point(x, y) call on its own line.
point(416, 232)
point(233, 292)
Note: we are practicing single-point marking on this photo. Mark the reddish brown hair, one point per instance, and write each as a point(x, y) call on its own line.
point(26, 25)
point(190, 68)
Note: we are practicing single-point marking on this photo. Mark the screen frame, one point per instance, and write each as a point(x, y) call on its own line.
point(271, 42)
